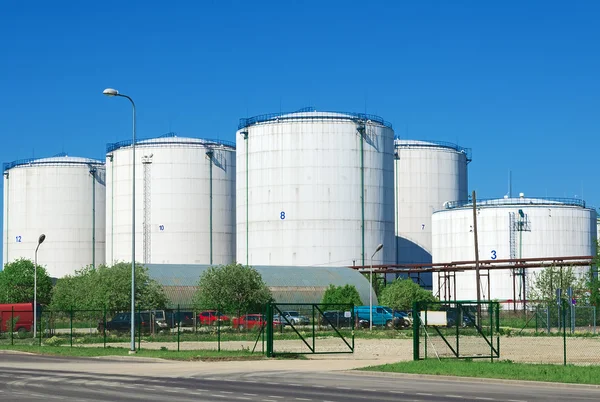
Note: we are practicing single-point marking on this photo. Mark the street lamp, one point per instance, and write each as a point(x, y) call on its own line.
point(379, 247)
point(114, 92)
point(40, 241)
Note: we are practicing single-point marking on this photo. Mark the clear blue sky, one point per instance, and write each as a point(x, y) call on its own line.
point(516, 81)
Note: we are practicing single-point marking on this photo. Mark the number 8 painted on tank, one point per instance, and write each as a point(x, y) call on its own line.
point(282, 215)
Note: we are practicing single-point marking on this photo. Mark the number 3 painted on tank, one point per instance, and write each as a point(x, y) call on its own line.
point(494, 254)
point(282, 215)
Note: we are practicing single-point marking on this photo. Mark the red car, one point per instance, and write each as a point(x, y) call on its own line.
point(249, 321)
point(210, 317)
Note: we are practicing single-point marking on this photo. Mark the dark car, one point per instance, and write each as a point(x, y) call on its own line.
point(339, 319)
point(180, 318)
point(143, 322)
point(467, 319)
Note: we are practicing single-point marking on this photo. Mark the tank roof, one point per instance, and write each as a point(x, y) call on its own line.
point(518, 201)
point(310, 113)
point(169, 139)
point(58, 159)
point(289, 284)
point(405, 143)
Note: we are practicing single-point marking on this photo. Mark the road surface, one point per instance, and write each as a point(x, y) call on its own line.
point(38, 378)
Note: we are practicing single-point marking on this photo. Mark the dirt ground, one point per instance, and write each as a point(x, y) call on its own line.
point(516, 349)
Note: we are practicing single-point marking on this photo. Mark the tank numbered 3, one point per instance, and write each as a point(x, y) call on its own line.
point(493, 255)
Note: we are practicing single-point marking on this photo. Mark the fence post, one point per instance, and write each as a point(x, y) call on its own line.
point(218, 330)
point(177, 321)
point(313, 328)
point(416, 318)
point(12, 325)
point(564, 324)
point(71, 324)
point(104, 327)
point(139, 318)
point(269, 330)
point(594, 312)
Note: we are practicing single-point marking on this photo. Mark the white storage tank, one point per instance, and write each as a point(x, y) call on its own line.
point(62, 197)
point(427, 174)
point(510, 228)
point(315, 188)
point(184, 201)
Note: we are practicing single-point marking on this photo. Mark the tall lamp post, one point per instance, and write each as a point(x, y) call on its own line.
point(40, 241)
point(379, 247)
point(114, 92)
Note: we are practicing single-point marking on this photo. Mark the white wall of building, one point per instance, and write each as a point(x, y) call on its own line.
point(556, 230)
point(54, 196)
point(426, 175)
point(303, 202)
point(173, 182)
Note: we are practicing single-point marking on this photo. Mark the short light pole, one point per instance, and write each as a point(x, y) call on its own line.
point(40, 241)
point(379, 247)
point(114, 92)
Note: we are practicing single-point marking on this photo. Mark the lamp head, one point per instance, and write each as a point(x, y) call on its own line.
point(379, 247)
point(41, 239)
point(110, 92)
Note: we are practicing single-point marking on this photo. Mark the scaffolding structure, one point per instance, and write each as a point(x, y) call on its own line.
point(447, 271)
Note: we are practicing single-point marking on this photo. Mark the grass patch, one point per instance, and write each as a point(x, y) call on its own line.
point(503, 369)
point(186, 355)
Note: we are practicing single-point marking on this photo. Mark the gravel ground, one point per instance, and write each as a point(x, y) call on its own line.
point(517, 349)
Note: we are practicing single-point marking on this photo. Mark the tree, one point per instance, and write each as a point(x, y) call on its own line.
point(232, 288)
point(543, 285)
point(346, 294)
point(401, 294)
point(108, 287)
point(16, 283)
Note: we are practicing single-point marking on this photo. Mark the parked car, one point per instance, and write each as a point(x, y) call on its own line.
point(339, 319)
point(401, 319)
point(21, 315)
point(180, 318)
point(466, 319)
point(249, 321)
point(381, 317)
point(211, 317)
point(294, 317)
point(122, 323)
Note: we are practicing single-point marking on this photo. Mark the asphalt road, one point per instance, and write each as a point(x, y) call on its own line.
point(52, 378)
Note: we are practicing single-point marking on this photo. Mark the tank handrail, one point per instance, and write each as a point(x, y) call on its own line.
point(517, 201)
point(110, 147)
point(49, 161)
point(323, 115)
point(433, 144)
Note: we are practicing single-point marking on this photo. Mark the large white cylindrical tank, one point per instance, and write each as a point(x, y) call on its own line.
point(315, 188)
point(184, 201)
point(426, 175)
point(510, 228)
point(62, 197)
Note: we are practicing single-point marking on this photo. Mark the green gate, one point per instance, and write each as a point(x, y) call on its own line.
point(309, 328)
point(462, 329)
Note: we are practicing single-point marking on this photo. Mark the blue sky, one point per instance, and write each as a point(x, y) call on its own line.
point(516, 81)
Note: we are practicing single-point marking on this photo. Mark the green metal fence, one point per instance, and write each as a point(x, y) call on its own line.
point(310, 328)
point(463, 329)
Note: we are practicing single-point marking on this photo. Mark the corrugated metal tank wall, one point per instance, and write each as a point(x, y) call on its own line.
point(302, 205)
point(174, 220)
point(62, 197)
point(551, 229)
point(426, 174)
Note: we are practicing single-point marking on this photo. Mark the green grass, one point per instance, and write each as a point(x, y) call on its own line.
point(504, 370)
point(189, 355)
